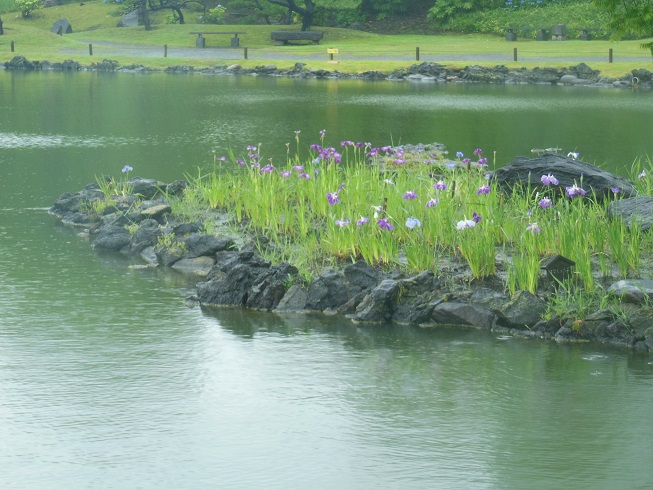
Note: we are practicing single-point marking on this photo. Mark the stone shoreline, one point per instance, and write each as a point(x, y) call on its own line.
point(578, 75)
point(233, 274)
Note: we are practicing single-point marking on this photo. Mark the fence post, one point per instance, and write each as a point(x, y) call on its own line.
point(514, 54)
point(165, 50)
point(12, 46)
point(417, 53)
point(90, 49)
point(610, 56)
point(245, 52)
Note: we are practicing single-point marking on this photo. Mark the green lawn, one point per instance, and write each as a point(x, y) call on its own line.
point(93, 22)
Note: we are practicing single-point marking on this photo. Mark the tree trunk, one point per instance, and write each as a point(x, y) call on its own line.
point(308, 15)
point(143, 15)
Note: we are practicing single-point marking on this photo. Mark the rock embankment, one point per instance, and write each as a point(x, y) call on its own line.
point(233, 274)
point(579, 75)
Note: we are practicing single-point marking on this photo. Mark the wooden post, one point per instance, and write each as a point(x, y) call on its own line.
point(12, 46)
point(1, 29)
point(514, 54)
point(610, 56)
point(90, 49)
point(245, 52)
point(165, 50)
point(417, 53)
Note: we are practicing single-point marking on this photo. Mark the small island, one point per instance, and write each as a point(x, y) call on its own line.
point(545, 247)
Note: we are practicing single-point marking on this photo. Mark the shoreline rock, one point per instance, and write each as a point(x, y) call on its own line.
point(233, 274)
point(426, 72)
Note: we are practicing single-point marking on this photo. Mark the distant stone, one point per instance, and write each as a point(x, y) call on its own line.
point(234, 67)
point(156, 211)
point(570, 79)
point(455, 313)
point(62, 26)
point(129, 20)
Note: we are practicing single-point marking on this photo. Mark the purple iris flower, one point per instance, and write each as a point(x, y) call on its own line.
point(467, 161)
point(440, 186)
point(549, 180)
point(252, 148)
point(478, 152)
point(241, 162)
point(304, 175)
point(410, 195)
point(126, 169)
point(285, 174)
point(432, 202)
point(315, 147)
point(476, 218)
point(298, 168)
point(459, 154)
point(615, 190)
point(333, 198)
point(399, 161)
point(545, 203)
point(267, 169)
point(384, 224)
point(451, 165)
point(482, 162)
point(484, 189)
point(362, 221)
point(575, 191)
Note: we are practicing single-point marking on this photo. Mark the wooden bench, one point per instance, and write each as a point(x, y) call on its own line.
point(281, 38)
point(200, 42)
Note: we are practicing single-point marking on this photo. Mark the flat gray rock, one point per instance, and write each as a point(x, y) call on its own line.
point(633, 290)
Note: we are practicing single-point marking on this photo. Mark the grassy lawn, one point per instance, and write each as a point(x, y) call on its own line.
point(94, 22)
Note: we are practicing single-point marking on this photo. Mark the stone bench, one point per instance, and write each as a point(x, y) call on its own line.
point(541, 35)
point(282, 38)
point(200, 42)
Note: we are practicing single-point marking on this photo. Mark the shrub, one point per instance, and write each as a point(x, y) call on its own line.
point(26, 7)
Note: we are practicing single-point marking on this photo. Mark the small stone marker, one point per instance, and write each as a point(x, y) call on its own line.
point(1, 29)
point(62, 26)
point(558, 267)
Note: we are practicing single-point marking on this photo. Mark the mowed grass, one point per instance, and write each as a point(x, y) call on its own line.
point(94, 22)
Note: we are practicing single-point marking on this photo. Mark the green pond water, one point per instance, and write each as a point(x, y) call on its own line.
point(108, 381)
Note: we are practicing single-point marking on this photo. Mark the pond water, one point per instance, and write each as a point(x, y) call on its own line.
point(108, 381)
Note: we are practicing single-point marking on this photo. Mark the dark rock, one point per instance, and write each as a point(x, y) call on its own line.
point(378, 306)
point(111, 238)
point(548, 327)
point(130, 19)
point(455, 313)
point(633, 290)
point(199, 245)
point(415, 301)
point(183, 229)
point(20, 63)
point(156, 211)
point(145, 188)
point(643, 75)
point(147, 235)
point(229, 288)
point(106, 65)
point(529, 171)
point(638, 208)
point(294, 299)
point(175, 188)
point(329, 290)
point(361, 275)
point(62, 26)
point(270, 287)
point(524, 310)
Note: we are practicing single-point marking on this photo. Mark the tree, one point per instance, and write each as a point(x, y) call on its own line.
point(310, 8)
point(630, 17)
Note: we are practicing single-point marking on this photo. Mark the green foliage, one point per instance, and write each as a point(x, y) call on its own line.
point(631, 17)
point(443, 10)
point(26, 7)
point(574, 15)
point(383, 9)
point(7, 6)
point(215, 15)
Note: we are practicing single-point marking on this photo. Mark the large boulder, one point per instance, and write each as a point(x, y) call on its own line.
point(379, 305)
point(461, 313)
point(639, 209)
point(633, 290)
point(524, 310)
point(111, 238)
point(529, 171)
point(62, 26)
point(329, 291)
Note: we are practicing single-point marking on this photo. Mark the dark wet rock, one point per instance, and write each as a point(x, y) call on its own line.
point(105, 65)
point(415, 304)
point(149, 256)
point(183, 229)
point(68, 65)
point(633, 290)
point(207, 245)
point(640, 321)
point(460, 313)
point(294, 299)
point(547, 327)
point(639, 209)
point(175, 188)
point(270, 287)
point(329, 290)
point(528, 171)
point(156, 211)
point(360, 274)
point(145, 188)
point(523, 310)
point(643, 75)
point(228, 288)
point(112, 238)
point(146, 236)
point(21, 63)
point(199, 266)
point(379, 305)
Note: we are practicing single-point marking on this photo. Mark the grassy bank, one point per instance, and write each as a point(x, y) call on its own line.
point(94, 23)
